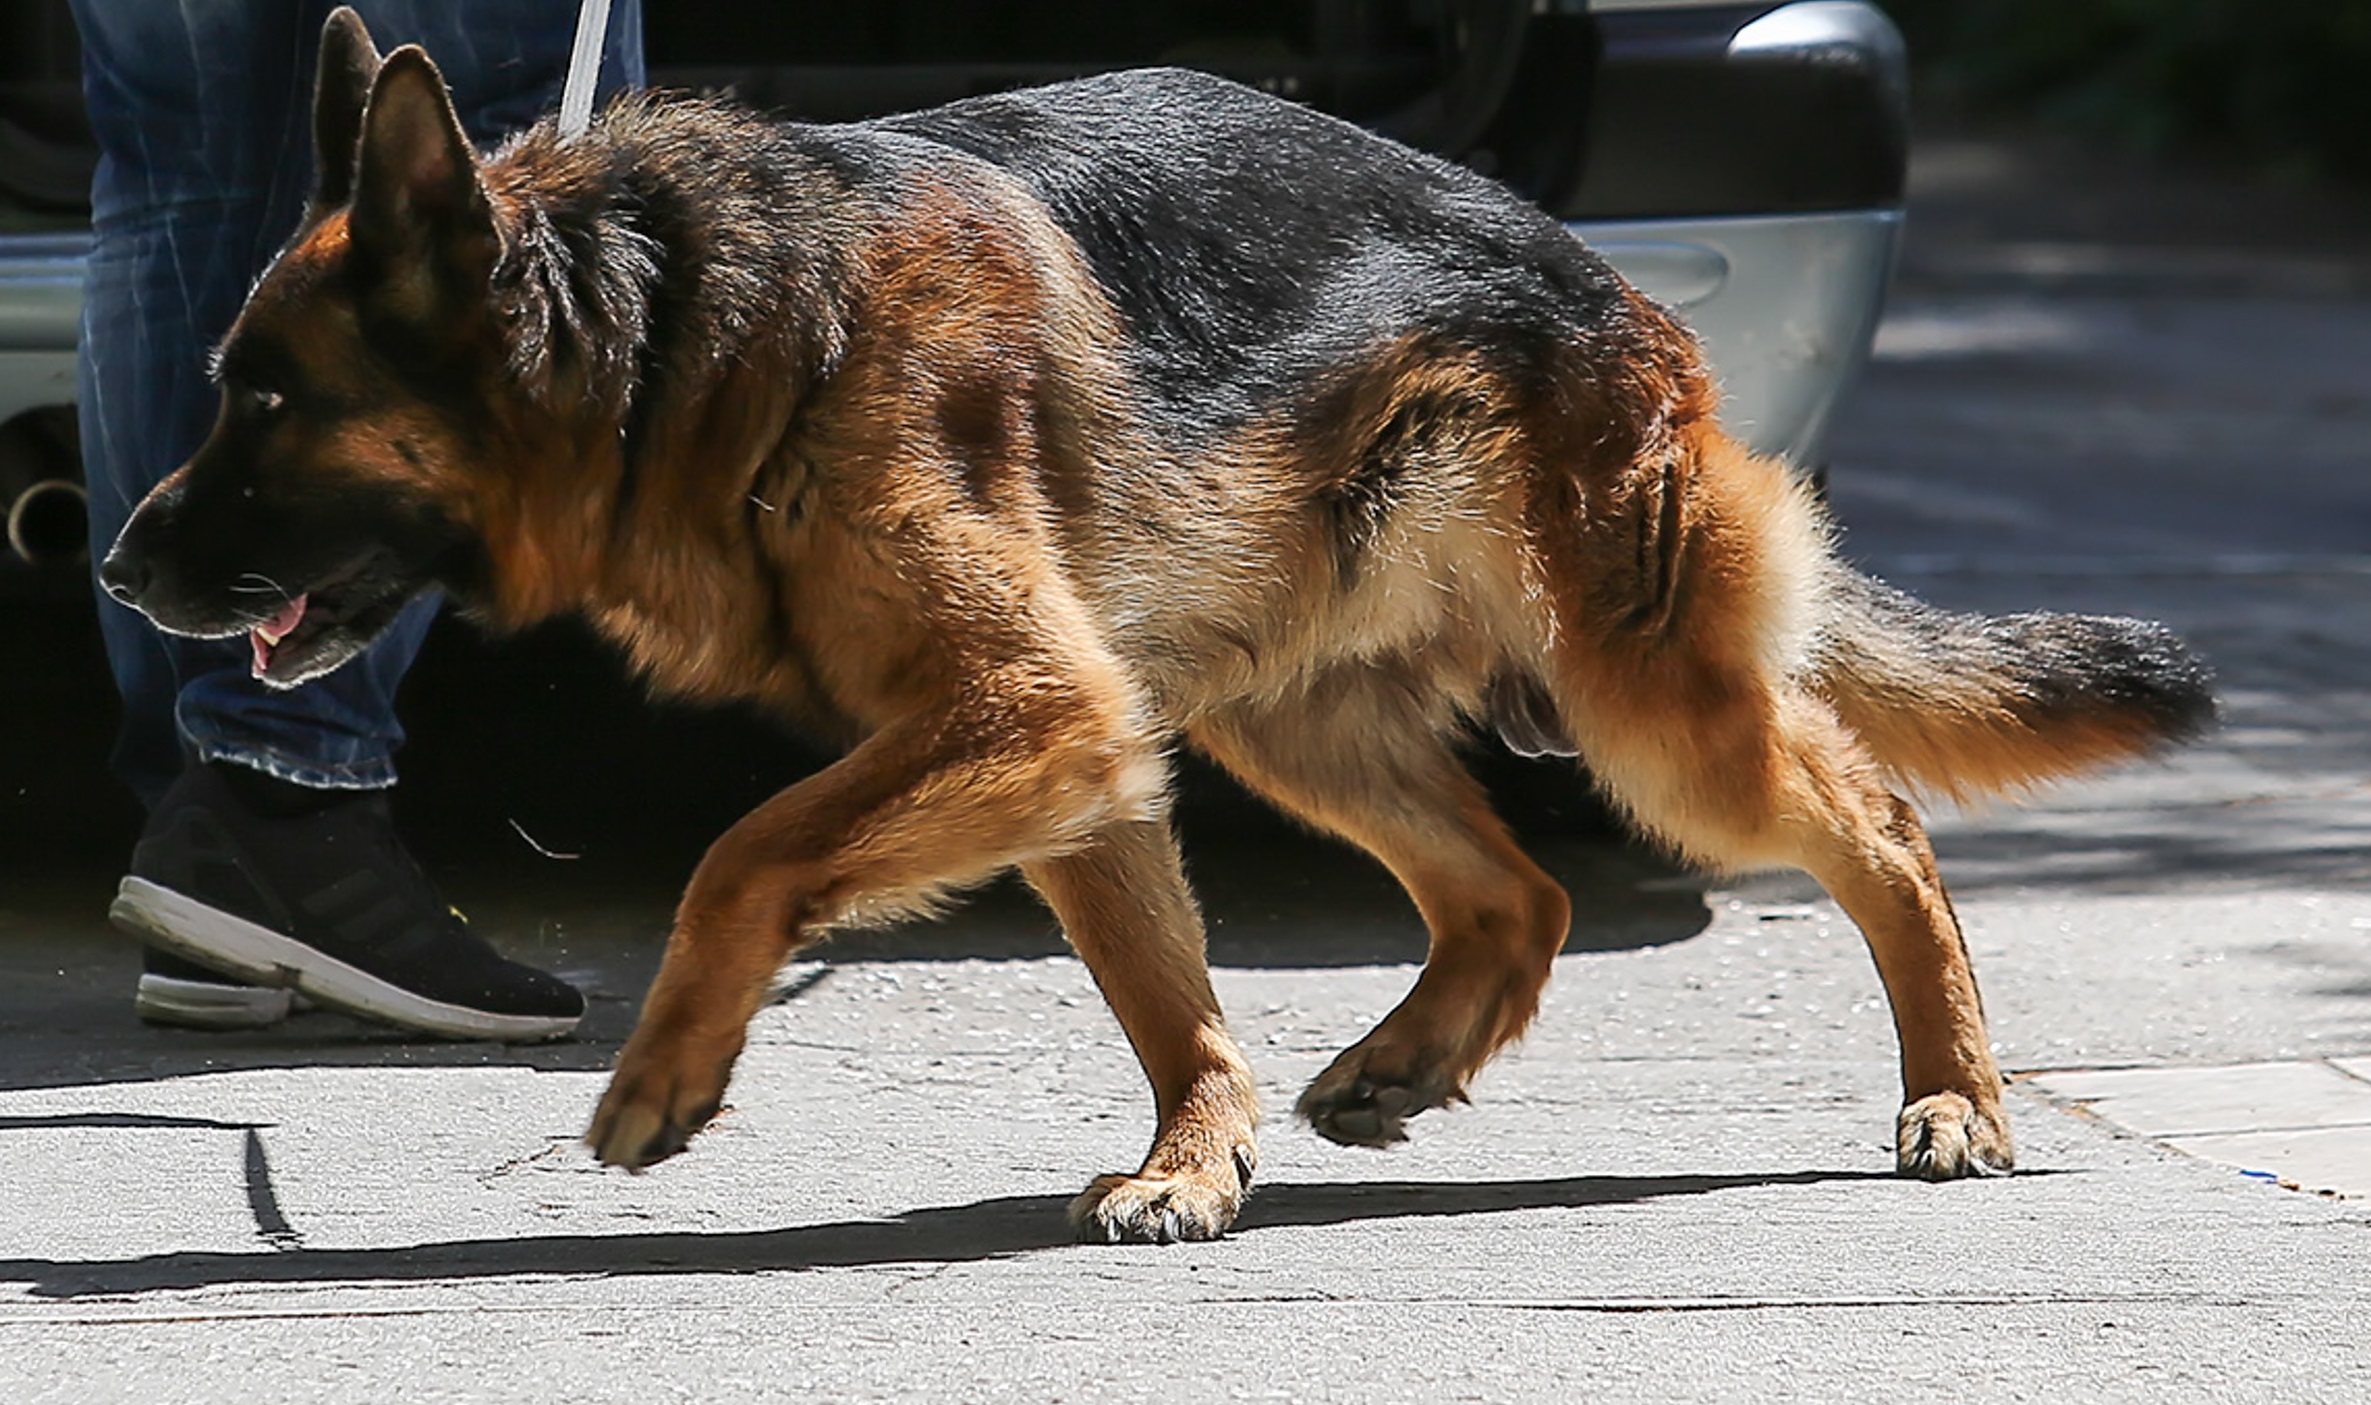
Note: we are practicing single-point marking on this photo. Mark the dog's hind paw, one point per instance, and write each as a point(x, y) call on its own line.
point(1946, 1137)
point(1156, 1209)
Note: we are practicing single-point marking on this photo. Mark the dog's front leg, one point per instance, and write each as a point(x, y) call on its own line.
point(1124, 904)
point(917, 809)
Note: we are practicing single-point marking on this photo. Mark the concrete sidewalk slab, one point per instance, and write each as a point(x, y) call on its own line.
point(1678, 1191)
point(1516, 1256)
point(2307, 1123)
point(2179, 1102)
point(2333, 1161)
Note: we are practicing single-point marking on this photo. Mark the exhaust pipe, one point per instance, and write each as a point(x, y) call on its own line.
point(49, 523)
point(41, 495)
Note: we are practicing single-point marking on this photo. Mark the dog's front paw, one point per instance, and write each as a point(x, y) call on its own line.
point(1367, 1096)
point(1172, 1209)
point(1947, 1136)
point(650, 1111)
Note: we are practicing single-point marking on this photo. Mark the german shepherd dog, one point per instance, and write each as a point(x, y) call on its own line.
point(1016, 441)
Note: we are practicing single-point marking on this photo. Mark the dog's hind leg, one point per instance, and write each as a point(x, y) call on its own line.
point(1742, 787)
point(1692, 719)
point(1124, 904)
point(1361, 754)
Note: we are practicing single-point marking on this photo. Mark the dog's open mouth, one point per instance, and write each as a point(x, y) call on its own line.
point(316, 630)
point(271, 635)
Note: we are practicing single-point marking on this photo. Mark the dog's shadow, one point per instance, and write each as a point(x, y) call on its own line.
point(1000, 1228)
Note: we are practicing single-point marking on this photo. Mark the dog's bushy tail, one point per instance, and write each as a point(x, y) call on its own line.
point(1964, 705)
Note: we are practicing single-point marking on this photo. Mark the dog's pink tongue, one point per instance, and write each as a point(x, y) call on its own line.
point(264, 636)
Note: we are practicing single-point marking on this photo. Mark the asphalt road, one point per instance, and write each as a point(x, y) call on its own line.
point(1676, 1190)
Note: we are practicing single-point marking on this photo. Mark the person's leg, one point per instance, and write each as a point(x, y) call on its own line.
point(202, 111)
point(203, 114)
point(188, 105)
point(505, 64)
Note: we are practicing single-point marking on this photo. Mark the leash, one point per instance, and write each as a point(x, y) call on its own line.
point(584, 65)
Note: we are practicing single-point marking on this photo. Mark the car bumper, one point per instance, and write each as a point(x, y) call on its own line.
point(1786, 306)
point(40, 319)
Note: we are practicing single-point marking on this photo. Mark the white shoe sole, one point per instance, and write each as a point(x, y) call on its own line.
point(233, 945)
point(193, 1004)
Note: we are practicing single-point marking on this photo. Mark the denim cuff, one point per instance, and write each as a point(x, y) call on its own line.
point(362, 773)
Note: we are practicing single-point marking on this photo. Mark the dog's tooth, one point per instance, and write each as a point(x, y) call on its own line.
point(281, 625)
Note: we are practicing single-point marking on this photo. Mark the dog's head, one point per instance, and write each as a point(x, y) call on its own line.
point(323, 499)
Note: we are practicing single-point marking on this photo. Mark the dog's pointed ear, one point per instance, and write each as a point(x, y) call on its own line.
point(419, 207)
point(341, 88)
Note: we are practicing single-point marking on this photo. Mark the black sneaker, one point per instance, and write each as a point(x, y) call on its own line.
point(311, 891)
point(185, 995)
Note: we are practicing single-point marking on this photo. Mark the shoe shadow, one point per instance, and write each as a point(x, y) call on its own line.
point(1005, 1227)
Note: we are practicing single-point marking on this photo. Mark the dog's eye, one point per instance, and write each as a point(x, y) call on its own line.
point(266, 401)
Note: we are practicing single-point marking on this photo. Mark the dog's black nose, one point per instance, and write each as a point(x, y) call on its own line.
point(124, 576)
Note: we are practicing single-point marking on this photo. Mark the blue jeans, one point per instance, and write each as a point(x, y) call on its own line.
point(203, 111)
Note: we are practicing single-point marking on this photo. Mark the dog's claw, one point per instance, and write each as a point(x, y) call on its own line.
point(637, 1128)
point(1356, 1125)
point(635, 1138)
point(1367, 1108)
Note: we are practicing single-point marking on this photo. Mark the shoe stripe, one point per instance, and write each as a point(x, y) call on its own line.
point(375, 925)
point(356, 888)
